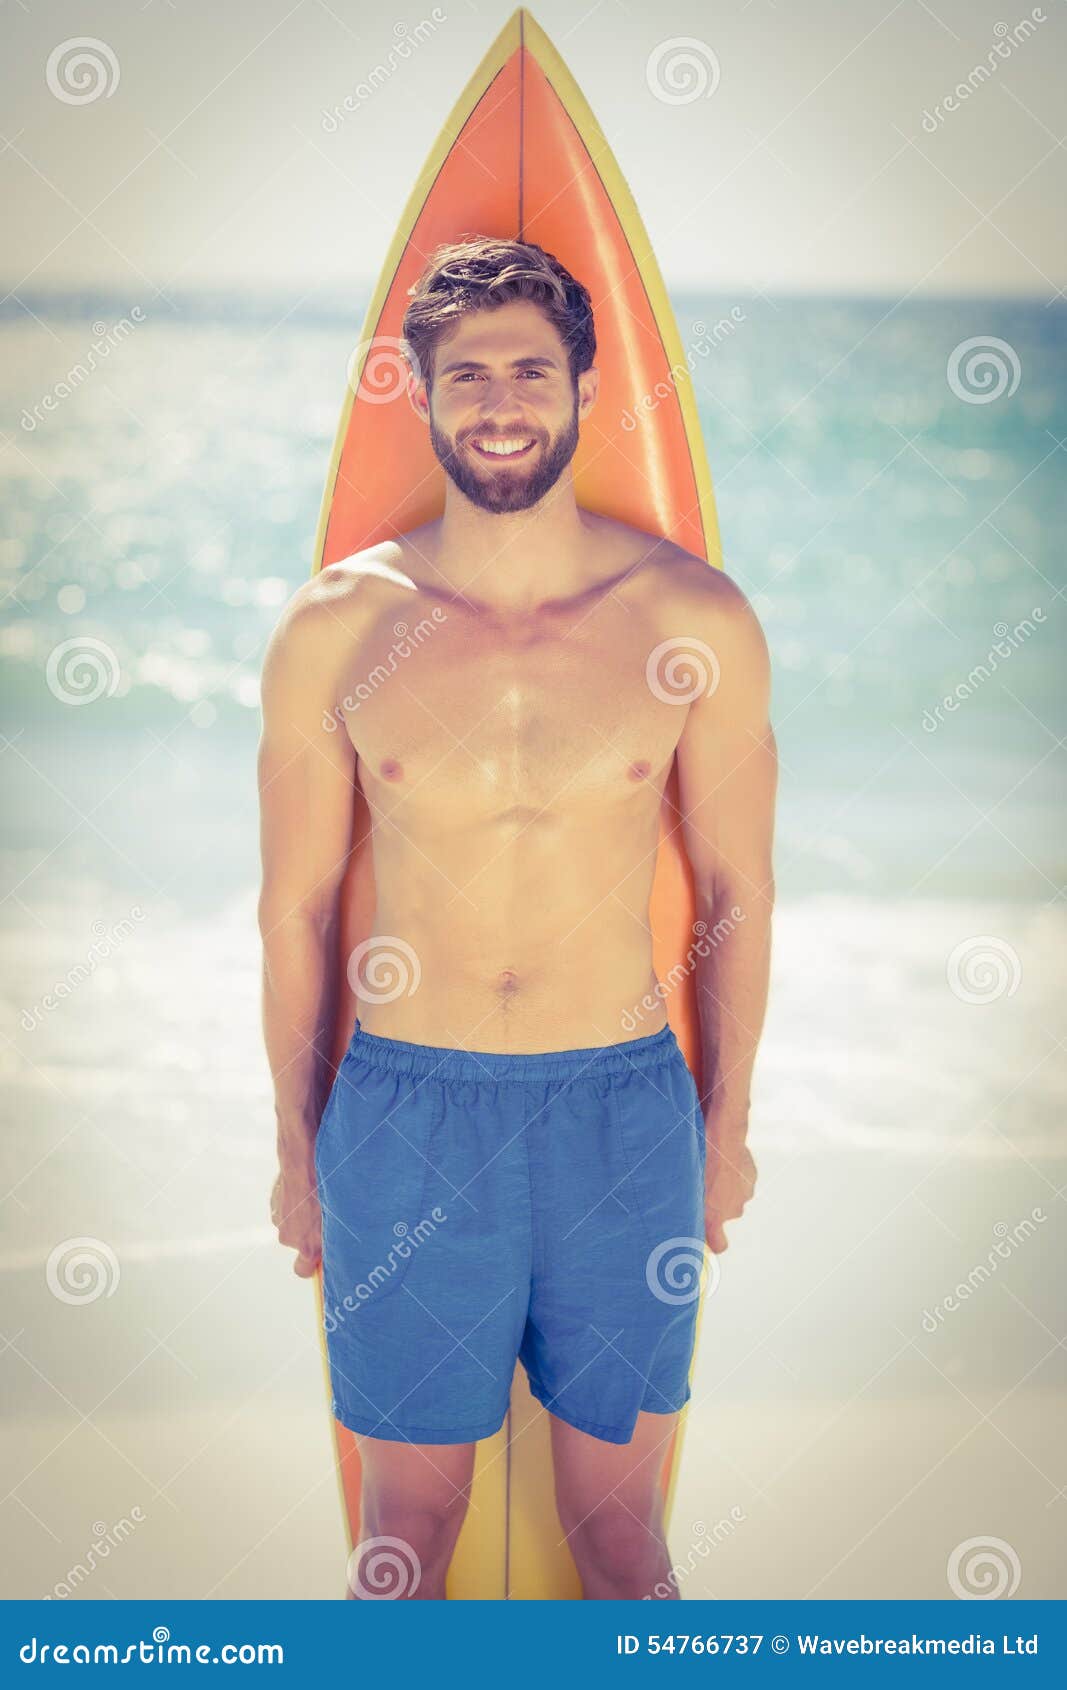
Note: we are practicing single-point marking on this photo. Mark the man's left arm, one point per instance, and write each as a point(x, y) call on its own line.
point(727, 770)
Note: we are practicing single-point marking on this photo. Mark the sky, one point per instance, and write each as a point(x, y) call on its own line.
point(782, 148)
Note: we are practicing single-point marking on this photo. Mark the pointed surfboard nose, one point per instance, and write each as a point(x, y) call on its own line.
point(522, 154)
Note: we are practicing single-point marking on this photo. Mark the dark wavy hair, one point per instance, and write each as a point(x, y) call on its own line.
point(481, 274)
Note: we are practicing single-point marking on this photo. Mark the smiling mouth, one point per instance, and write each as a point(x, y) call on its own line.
point(502, 451)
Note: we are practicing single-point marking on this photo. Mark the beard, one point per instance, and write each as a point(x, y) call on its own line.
point(512, 489)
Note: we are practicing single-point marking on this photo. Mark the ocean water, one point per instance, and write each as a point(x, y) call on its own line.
point(886, 529)
point(902, 543)
point(896, 517)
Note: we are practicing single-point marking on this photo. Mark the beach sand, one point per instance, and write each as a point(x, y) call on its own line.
point(836, 1444)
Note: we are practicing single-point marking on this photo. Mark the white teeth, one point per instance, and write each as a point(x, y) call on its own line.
point(502, 448)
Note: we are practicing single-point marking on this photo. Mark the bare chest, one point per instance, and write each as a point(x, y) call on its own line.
point(463, 717)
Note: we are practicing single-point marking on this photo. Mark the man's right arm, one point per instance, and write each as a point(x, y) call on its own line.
point(306, 773)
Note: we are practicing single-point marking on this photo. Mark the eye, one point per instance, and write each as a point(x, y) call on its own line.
point(538, 373)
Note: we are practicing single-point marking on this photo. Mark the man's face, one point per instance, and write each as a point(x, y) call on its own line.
point(502, 409)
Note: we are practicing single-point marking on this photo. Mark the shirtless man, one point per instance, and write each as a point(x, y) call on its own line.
point(496, 1110)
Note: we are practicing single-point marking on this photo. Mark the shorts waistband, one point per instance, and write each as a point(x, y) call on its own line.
point(441, 1063)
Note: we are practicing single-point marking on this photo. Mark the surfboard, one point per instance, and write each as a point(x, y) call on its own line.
point(521, 157)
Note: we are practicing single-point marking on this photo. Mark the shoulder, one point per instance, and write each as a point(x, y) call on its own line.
point(688, 587)
point(352, 585)
point(336, 606)
point(684, 592)
point(701, 622)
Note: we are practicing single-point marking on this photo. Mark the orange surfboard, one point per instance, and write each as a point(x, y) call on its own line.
point(521, 157)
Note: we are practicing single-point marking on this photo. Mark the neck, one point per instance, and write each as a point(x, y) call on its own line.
point(518, 559)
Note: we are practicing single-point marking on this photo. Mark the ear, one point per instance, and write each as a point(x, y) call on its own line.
point(588, 388)
point(418, 396)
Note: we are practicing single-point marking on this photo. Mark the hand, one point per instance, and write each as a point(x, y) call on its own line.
point(729, 1182)
point(294, 1209)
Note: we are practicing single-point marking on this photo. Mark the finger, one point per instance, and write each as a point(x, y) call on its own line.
point(305, 1266)
point(717, 1239)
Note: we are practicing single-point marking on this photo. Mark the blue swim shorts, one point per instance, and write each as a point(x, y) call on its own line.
point(479, 1207)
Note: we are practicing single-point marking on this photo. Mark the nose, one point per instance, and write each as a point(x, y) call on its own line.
point(500, 402)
